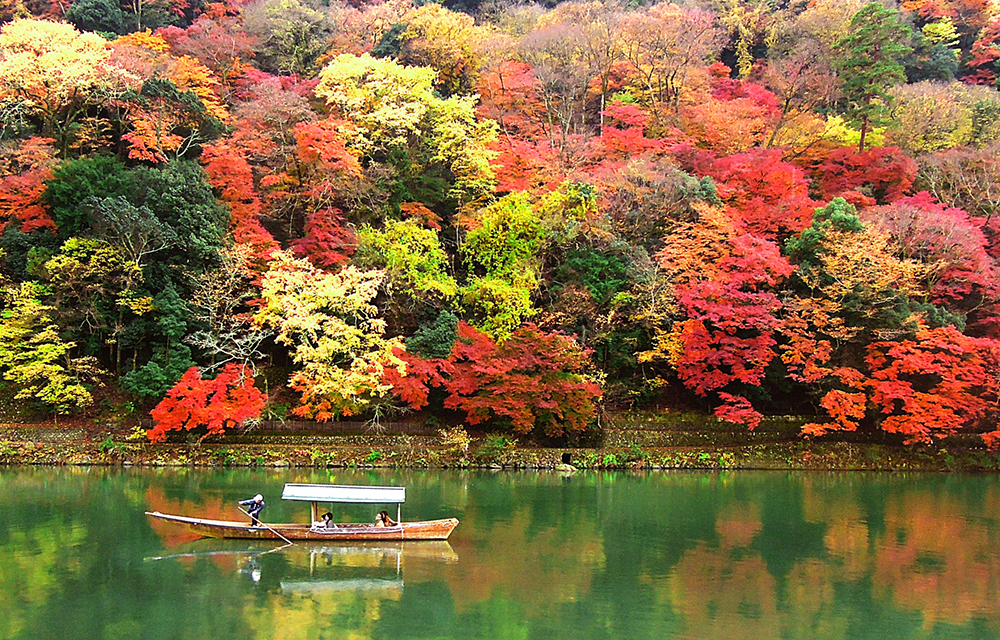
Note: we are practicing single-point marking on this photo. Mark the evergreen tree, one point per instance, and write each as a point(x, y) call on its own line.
point(870, 62)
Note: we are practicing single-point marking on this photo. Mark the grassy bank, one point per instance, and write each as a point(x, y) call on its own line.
point(628, 441)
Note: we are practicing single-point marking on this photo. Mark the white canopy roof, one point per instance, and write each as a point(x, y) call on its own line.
point(343, 493)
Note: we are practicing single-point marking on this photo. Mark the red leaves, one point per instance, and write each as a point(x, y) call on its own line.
point(228, 400)
point(25, 171)
point(767, 196)
point(722, 279)
point(941, 236)
point(328, 242)
point(230, 173)
point(737, 116)
point(322, 144)
point(876, 176)
point(846, 409)
point(623, 135)
point(510, 96)
point(533, 379)
point(985, 54)
point(927, 387)
point(738, 410)
point(522, 166)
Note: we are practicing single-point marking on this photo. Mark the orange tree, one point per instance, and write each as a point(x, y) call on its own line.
point(534, 379)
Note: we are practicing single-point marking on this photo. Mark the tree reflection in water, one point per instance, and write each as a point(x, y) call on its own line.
point(668, 555)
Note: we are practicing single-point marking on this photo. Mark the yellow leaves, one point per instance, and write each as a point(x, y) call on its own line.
point(41, 37)
point(35, 358)
point(413, 256)
point(667, 346)
point(844, 135)
point(330, 323)
point(502, 305)
point(47, 63)
point(447, 41)
point(143, 40)
point(931, 116)
point(386, 98)
point(191, 75)
point(394, 106)
point(818, 316)
point(138, 305)
point(864, 264)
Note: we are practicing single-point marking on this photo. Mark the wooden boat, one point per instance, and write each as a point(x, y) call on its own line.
point(326, 493)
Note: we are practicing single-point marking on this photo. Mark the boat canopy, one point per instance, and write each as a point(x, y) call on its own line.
point(343, 493)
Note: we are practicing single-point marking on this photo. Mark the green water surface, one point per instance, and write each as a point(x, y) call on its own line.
point(537, 555)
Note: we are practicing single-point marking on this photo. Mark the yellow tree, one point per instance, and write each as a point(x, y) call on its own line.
point(503, 253)
point(54, 74)
point(399, 120)
point(750, 23)
point(446, 41)
point(334, 331)
point(35, 358)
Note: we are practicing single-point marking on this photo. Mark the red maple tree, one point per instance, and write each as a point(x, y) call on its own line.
point(225, 401)
point(878, 175)
point(929, 386)
point(230, 173)
point(724, 282)
point(533, 379)
point(768, 196)
point(25, 170)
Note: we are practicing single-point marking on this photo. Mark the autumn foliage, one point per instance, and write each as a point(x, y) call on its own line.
point(227, 400)
point(26, 168)
point(927, 387)
point(811, 228)
point(532, 380)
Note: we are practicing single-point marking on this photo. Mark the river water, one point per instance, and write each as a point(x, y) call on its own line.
point(537, 555)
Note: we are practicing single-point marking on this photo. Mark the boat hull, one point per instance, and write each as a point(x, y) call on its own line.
point(424, 530)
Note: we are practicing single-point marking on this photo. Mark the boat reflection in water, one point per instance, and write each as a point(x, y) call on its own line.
point(375, 568)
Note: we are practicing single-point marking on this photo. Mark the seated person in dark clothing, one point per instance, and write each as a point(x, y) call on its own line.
point(325, 522)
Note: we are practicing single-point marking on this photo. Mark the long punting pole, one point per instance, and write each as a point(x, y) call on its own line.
point(265, 526)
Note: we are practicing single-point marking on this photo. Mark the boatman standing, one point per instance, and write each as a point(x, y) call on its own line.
point(254, 506)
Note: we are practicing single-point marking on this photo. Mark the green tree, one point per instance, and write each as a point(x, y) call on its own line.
point(870, 62)
point(96, 15)
point(35, 358)
point(291, 35)
point(93, 285)
point(418, 284)
point(504, 255)
point(411, 256)
point(434, 340)
point(75, 182)
point(438, 147)
point(161, 332)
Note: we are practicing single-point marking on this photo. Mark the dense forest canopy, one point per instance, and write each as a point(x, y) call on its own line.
point(516, 214)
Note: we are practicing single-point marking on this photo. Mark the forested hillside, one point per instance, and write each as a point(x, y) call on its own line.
point(513, 214)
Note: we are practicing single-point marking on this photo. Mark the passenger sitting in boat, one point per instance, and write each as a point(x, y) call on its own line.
point(383, 520)
point(325, 522)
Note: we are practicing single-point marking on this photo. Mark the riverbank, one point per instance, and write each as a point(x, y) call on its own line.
point(632, 442)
